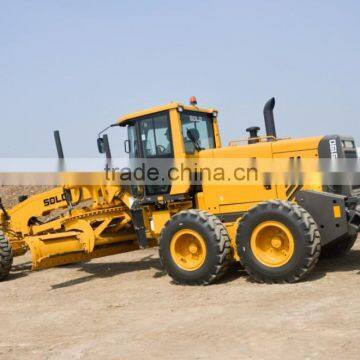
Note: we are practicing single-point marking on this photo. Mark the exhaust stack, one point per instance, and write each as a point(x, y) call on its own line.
point(269, 118)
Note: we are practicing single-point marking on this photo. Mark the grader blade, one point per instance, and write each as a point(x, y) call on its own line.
point(46, 248)
point(85, 235)
point(49, 251)
point(80, 242)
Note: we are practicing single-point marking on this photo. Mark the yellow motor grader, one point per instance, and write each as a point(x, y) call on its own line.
point(277, 231)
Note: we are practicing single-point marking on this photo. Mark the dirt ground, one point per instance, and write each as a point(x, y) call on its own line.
point(124, 307)
point(9, 194)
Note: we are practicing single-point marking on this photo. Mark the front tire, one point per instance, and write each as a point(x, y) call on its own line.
point(278, 242)
point(194, 248)
point(6, 257)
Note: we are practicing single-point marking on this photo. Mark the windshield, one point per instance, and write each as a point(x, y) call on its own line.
point(201, 125)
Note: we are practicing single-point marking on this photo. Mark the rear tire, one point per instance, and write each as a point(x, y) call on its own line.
point(194, 248)
point(278, 242)
point(338, 248)
point(6, 257)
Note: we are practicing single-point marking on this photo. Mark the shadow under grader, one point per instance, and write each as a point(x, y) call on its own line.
point(106, 270)
point(19, 270)
point(349, 262)
point(235, 272)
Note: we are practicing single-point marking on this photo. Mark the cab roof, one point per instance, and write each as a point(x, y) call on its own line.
point(126, 119)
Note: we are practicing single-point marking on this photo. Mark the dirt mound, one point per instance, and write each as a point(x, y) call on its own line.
point(10, 194)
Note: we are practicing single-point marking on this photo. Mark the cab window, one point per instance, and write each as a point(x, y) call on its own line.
point(201, 125)
point(155, 136)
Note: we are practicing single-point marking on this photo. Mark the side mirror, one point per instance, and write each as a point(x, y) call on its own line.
point(127, 146)
point(100, 145)
point(103, 146)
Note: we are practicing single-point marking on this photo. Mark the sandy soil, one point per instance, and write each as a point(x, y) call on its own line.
point(10, 194)
point(124, 307)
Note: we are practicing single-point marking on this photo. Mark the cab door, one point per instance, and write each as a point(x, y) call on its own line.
point(150, 143)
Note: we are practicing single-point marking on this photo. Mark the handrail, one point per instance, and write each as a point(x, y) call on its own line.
point(259, 139)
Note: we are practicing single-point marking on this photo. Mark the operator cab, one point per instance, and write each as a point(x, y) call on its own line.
point(153, 134)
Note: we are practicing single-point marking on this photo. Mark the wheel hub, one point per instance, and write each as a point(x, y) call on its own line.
point(272, 243)
point(193, 248)
point(188, 249)
point(276, 242)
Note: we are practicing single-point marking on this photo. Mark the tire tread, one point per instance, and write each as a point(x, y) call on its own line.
point(305, 221)
point(6, 257)
point(216, 227)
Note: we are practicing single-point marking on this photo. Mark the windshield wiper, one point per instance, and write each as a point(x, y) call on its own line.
point(193, 135)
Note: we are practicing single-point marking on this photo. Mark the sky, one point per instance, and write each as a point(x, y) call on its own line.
point(76, 66)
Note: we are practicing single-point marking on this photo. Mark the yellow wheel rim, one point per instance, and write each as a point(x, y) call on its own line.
point(272, 243)
point(188, 249)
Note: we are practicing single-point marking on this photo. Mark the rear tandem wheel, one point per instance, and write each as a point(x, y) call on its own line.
point(278, 242)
